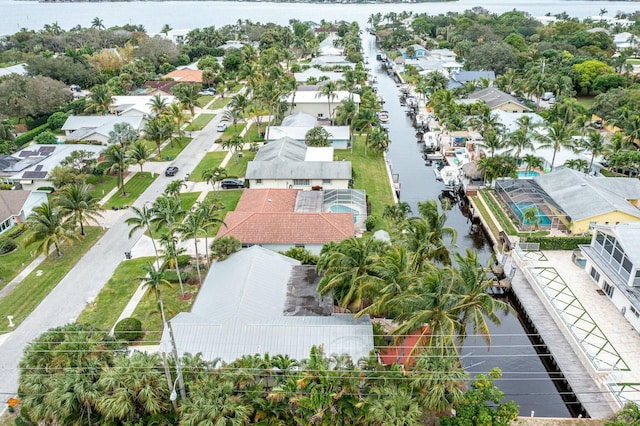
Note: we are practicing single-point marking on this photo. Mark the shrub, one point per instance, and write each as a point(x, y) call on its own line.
point(57, 120)
point(301, 254)
point(7, 245)
point(16, 231)
point(559, 243)
point(45, 138)
point(371, 222)
point(27, 137)
point(129, 329)
point(184, 260)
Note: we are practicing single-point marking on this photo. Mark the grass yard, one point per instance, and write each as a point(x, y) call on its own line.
point(101, 185)
point(211, 160)
point(148, 310)
point(493, 228)
point(36, 286)
point(12, 263)
point(171, 151)
point(115, 295)
point(252, 135)
point(220, 103)
point(204, 100)
point(232, 130)
point(501, 215)
point(188, 199)
point(237, 166)
point(229, 198)
point(370, 174)
point(134, 187)
point(200, 122)
point(585, 101)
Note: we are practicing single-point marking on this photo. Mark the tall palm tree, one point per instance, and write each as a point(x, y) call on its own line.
point(174, 188)
point(492, 140)
point(194, 227)
point(532, 161)
point(345, 115)
point(213, 401)
point(234, 144)
point(597, 145)
point(138, 153)
point(172, 253)
point(558, 136)
point(166, 212)
point(115, 160)
point(210, 211)
point(329, 90)
point(214, 175)
point(76, 200)
point(46, 228)
point(141, 220)
point(176, 116)
point(159, 106)
point(99, 100)
point(97, 23)
point(378, 141)
point(153, 281)
point(158, 130)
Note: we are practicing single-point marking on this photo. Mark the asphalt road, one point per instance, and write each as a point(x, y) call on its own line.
point(65, 303)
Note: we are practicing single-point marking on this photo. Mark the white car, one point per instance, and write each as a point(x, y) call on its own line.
point(221, 127)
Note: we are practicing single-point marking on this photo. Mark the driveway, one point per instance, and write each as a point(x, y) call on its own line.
point(65, 303)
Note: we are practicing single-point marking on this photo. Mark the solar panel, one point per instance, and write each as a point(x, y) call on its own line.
point(47, 150)
point(34, 175)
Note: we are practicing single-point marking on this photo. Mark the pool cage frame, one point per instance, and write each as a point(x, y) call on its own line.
point(512, 192)
point(354, 198)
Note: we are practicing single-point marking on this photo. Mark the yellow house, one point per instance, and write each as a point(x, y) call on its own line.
point(585, 201)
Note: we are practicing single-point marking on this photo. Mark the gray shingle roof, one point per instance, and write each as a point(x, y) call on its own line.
point(244, 307)
point(283, 149)
point(299, 119)
point(494, 97)
point(11, 203)
point(582, 196)
point(281, 169)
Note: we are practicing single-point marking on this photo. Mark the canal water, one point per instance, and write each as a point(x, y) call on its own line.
point(525, 379)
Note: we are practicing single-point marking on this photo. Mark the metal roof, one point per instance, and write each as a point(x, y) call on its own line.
point(282, 149)
point(244, 308)
point(283, 169)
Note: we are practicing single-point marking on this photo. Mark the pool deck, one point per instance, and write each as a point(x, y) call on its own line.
point(591, 385)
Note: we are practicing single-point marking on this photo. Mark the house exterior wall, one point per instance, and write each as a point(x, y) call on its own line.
point(319, 109)
point(288, 183)
point(512, 107)
point(34, 184)
point(313, 248)
point(612, 218)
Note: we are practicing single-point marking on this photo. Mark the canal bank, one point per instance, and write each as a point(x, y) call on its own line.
point(525, 377)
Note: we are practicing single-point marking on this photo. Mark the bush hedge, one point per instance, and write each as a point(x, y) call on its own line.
point(16, 231)
point(129, 329)
point(27, 137)
point(559, 243)
point(7, 245)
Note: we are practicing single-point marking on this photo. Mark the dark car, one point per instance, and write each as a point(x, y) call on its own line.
point(231, 183)
point(171, 171)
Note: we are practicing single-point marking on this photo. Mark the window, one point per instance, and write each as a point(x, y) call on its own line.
point(609, 243)
point(300, 245)
point(608, 289)
point(617, 255)
point(258, 181)
point(326, 180)
point(626, 264)
point(634, 311)
point(300, 182)
point(594, 274)
point(600, 238)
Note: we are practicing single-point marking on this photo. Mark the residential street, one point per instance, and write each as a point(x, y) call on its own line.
point(65, 303)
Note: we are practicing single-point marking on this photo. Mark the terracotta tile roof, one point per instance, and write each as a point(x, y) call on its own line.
point(288, 228)
point(185, 75)
point(267, 200)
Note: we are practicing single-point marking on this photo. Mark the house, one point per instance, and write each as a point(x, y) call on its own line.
point(96, 128)
point(459, 78)
point(16, 206)
point(497, 99)
point(318, 75)
point(613, 262)
point(327, 47)
point(288, 163)
point(177, 36)
point(159, 87)
point(418, 52)
point(317, 104)
point(232, 44)
point(445, 55)
point(331, 61)
point(610, 200)
point(279, 219)
point(135, 105)
point(19, 69)
point(185, 75)
point(338, 135)
point(31, 171)
point(624, 40)
point(261, 302)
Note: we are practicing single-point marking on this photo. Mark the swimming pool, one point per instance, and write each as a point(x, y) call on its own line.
point(527, 173)
point(340, 208)
point(518, 208)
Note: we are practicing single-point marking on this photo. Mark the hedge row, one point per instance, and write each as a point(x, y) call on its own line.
point(27, 137)
point(16, 231)
point(559, 243)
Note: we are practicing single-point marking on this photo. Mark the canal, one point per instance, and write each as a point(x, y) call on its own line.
point(513, 349)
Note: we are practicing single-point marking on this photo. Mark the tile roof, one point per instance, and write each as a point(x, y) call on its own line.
point(268, 200)
point(185, 76)
point(288, 228)
point(11, 203)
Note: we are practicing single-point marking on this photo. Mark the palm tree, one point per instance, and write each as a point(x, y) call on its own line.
point(345, 115)
point(520, 139)
point(234, 144)
point(232, 115)
point(166, 212)
point(116, 160)
point(329, 90)
point(172, 255)
point(378, 140)
point(240, 104)
point(176, 116)
point(597, 145)
point(141, 219)
point(530, 217)
point(174, 187)
point(76, 200)
point(153, 281)
point(158, 130)
point(100, 99)
point(223, 247)
point(214, 175)
point(214, 401)
point(533, 162)
point(158, 105)
point(492, 140)
point(210, 211)
point(558, 136)
point(97, 23)
point(138, 153)
point(194, 227)
point(46, 228)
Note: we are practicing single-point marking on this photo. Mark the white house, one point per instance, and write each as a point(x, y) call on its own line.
point(338, 135)
point(330, 61)
point(613, 262)
point(97, 127)
point(317, 104)
point(625, 40)
point(258, 302)
point(176, 36)
point(318, 75)
point(135, 105)
point(16, 205)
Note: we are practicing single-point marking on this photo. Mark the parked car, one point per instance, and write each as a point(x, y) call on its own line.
point(547, 96)
point(171, 171)
point(207, 92)
point(232, 183)
point(221, 127)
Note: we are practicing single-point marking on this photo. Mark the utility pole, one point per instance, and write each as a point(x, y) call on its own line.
point(174, 349)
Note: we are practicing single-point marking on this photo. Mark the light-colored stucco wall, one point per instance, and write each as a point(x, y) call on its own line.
point(509, 107)
point(288, 183)
point(582, 226)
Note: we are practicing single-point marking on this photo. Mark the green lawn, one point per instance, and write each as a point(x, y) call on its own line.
point(370, 174)
point(220, 103)
point(171, 151)
point(237, 166)
point(12, 263)
point(114, 296)
point(200, 122)
point(204, 100)
point(211, 160)
point(134, 187)
point(488, 195)
point(633, 61)
point(585, 101)
point(232, 131)
point(37, 285)
point(187, 199)
point(485, 214)
point(101, 185)
point(229, 198)
point(253, 133)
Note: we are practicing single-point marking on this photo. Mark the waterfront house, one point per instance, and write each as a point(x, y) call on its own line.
point(459, 78)
point(261, 302)
point(331, 61)
point(418, 52)
point(317, 104)
point(279, 219)
point(497, 99)
point(613, 262)
point(16, 206)
point(318, 75)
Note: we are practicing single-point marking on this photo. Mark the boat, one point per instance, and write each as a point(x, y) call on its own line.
point(450, 176)
point(383, 116)
point(431, 142)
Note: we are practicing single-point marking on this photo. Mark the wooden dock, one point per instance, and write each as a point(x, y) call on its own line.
point(584, 386)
